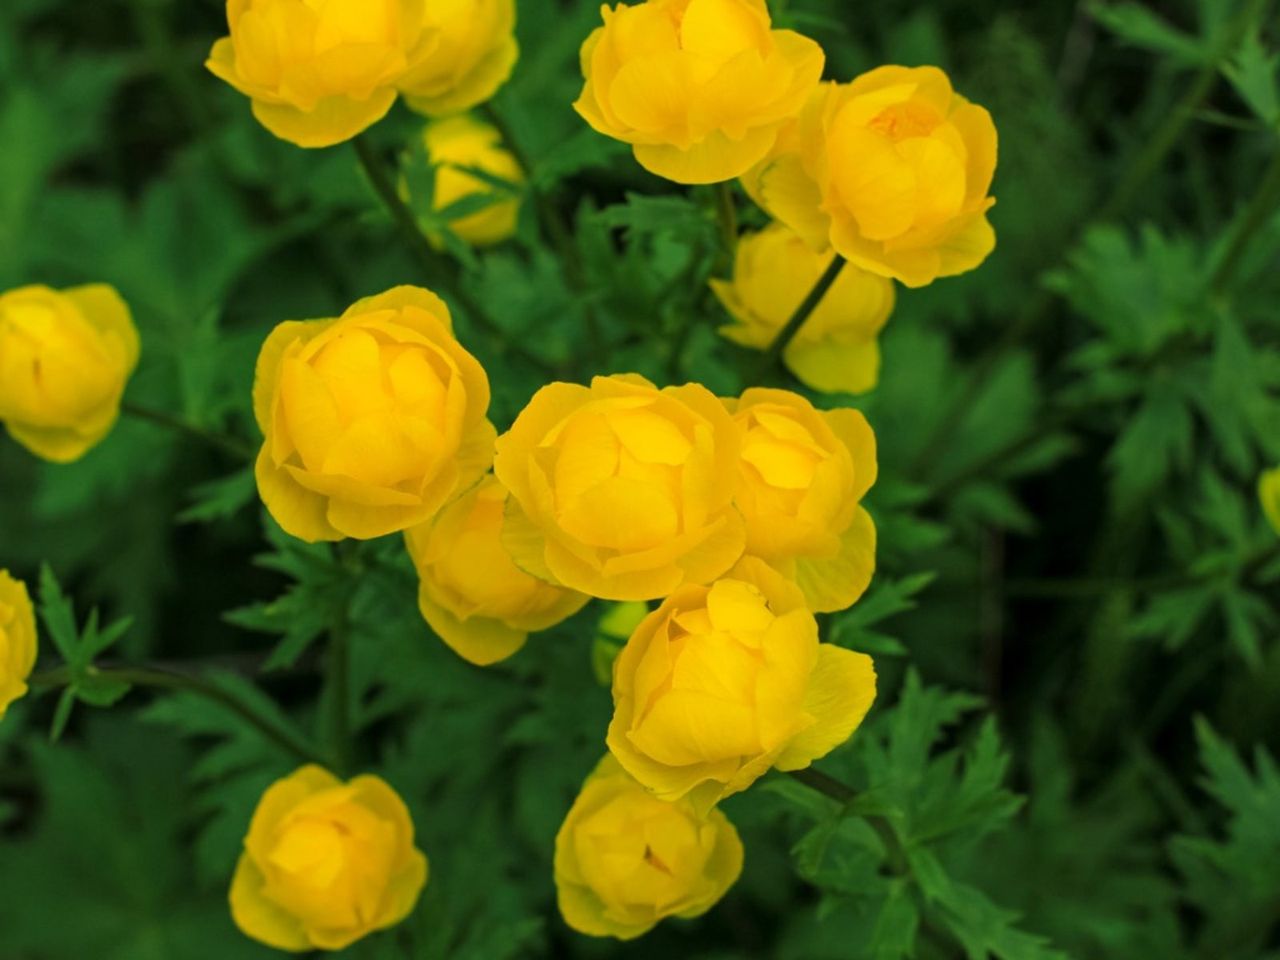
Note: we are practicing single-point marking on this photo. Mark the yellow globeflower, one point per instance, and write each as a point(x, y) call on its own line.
point(459, 142)
point(721, 683)
point(372, 421)
point(320, 71)
point(626, 860)
point(471, 593)
point(893, 170)
point(64, 360)
point(326, 863)
point(473, 56)
point(1269, 493)
point(700, 88)
point(17, 640)
point(836, 350)
point(621, 490)
point(804, 473)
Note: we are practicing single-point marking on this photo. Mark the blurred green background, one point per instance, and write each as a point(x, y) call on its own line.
point(1077, 596)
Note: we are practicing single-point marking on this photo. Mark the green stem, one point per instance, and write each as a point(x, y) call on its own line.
point(155, 679)
point(1157, 148)
point(727, 217)
point(1256, 215)
point(338, 678)
point(773, 355)
point(843, 794)
point(227, 444)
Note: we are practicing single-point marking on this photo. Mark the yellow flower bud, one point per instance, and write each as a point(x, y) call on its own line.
point(626, 860)
point(372, 421)
point(721, 683)
point(473, 56)
point(17, 640)
point(320, 71)
point(463, 141)
point(836, 350)
point(471, 593)
point(700, 88)
point(803, 475)
point(326, 863)
point(621, 490)
point(1269, 493)
point(64, 360)
point(893, 170)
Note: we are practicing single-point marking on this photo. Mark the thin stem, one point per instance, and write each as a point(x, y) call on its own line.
point(338, 680)
point(156, 679)
point(773, 356)
point(1257, 214)
point(227, 444)
point(727, 217)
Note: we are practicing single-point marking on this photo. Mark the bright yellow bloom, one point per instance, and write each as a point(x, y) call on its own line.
point(836, 350)
point(326, 863)
point(1269, 493)
point(700, 88)
point(626, 860)
point(473, 56)
point(17, 640)
point(621, 490)
point(64, 360)
point(470, 592)
point(320, 71)
point(462, 141)
point(803, 475)
point(721, 683)
point(893, 170)
point(372, 421)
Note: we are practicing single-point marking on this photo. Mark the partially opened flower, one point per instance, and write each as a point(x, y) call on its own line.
point(721, 683)
point(470, 592)
point(1269, 493)
point(803, 475)
point(837, 348)
point(700, 88)
point(455, 144)
point(621, 490)
point(473, 55)
point(17, 640)
point(320, 71)
point(372, 421)
point(326, 863)
point(893, 170)
point(65, 357)
point(626, 860)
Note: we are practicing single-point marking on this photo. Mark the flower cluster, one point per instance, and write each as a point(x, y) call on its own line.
point(319, 72)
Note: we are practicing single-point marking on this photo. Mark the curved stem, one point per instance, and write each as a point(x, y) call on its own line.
point(1257, 214)
point(773, 356)
point(156, 679)
point(227, 444)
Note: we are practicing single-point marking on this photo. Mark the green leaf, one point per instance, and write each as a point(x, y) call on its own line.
point(220, 499)
point(59, 616)
point(1255, 73)
point(62, 714)
point(1156, 442)
point(1139, 26)
point(649, 215)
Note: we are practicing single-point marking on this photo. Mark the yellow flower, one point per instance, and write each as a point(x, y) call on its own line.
point(803, 475)
point(626, 860)
point(326, 863)
point(17, 640)
point(893, 170)
point(474, 55)
point(64, 360)
point(700, 88)
point(459, 142)
point(372, 421)
point(471, 593)
point(721, 683)
point(836, 350)
point(320, 71)
point(621, 490)
point(1269, 493)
